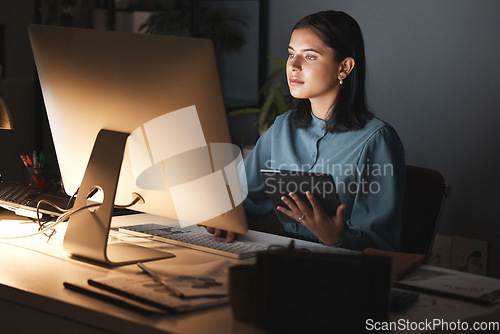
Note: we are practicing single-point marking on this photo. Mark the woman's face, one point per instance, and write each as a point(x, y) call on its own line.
point(311, 70)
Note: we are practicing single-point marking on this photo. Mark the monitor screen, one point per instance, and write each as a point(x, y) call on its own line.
point(164, 93)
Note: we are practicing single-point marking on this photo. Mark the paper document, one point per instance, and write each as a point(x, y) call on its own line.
point(202, 285)
point(453, 283)
point(207, 279)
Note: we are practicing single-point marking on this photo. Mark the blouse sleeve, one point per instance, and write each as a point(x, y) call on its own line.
point(376, 214)
point(257, 203)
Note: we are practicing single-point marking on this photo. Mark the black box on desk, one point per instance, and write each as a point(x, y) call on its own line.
point(301, 292)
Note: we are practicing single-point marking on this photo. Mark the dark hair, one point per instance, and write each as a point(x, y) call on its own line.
point(342, 33)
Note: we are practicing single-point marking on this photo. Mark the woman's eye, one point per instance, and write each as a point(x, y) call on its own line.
point(310, 57)
point(291, 56)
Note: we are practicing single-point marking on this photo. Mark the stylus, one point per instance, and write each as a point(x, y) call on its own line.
point(160, 280)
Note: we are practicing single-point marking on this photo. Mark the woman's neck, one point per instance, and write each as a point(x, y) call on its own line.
point(322, 108)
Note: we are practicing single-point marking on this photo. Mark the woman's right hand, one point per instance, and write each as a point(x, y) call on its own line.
point(218, 233)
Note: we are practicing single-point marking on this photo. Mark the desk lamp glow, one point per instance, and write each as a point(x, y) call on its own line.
point(136, 113)
point(5, 115)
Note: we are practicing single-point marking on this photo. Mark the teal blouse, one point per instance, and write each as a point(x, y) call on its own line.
point(368, 167)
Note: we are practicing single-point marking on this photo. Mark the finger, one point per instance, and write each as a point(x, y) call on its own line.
point(316, 205)
point(291, 214)
point(287, 212)
point(290, 203)
point(303, 207)
point(210, 230)
point(341, 212)
point(297, 213)
point(217, 233)
point(231, 236)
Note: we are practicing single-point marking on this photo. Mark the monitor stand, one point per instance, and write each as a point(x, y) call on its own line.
point(87, 233)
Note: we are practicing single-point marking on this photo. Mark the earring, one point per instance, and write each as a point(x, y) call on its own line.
point(341, 79)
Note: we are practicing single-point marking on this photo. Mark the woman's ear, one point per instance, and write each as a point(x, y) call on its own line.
point(346, 67)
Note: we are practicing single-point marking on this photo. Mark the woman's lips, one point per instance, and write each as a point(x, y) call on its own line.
point(295, 81)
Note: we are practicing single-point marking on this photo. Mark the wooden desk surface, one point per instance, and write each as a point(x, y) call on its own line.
point(32, 295)
point(33, 299)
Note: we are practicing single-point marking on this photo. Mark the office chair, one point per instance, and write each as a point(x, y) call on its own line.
point(425, 192)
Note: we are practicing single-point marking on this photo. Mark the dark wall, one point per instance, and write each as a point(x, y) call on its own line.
point(433, 73)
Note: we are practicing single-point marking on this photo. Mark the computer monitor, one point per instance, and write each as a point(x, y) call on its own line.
point(136, 113)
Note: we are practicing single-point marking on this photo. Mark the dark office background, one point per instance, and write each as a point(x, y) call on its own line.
point(433, 73)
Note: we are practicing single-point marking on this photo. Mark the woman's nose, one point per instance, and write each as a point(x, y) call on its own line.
point(294, 64)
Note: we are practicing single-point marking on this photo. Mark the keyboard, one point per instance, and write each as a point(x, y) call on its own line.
point(16, 196)
point(195, 237)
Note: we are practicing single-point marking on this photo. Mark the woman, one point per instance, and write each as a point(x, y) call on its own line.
point(332, 131)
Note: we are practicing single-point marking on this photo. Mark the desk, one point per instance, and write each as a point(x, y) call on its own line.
point(33, 299)
point(32, 296)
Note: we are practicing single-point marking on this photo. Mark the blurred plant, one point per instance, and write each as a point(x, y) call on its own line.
point(214, 25)
point(275, 102)
point(68, 13)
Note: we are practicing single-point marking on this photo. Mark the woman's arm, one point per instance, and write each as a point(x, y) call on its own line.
point(375, 219)
point(257, 203)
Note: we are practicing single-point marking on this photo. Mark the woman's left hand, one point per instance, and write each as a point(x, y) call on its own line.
point(328, 229)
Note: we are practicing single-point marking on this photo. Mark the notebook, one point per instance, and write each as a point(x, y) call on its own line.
point(452, 283)
point(204, 285)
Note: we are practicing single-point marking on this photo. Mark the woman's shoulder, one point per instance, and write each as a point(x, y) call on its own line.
point(378, 126)
point(374, 124)
point(285, 116)
point(381, 135)
point(281, 120)
point(376, 133)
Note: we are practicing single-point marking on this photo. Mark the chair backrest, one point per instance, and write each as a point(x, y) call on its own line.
point(422, 202)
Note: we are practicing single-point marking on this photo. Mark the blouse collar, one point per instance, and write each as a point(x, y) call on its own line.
point(318, 125)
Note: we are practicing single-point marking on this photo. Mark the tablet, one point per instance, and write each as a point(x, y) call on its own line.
point(280, 183)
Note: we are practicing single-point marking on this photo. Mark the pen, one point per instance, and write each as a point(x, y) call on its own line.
point(39, 183)
point(24, 160)
point(42, 159)
point(30, 163)
point(35, 160)
point(160, 280)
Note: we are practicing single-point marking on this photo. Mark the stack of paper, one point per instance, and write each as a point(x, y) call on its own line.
point(201, 286)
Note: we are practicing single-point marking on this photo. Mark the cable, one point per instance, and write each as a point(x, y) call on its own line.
point(66, 214)
point(43, 226)
point(138, 198)
point(59, 220)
